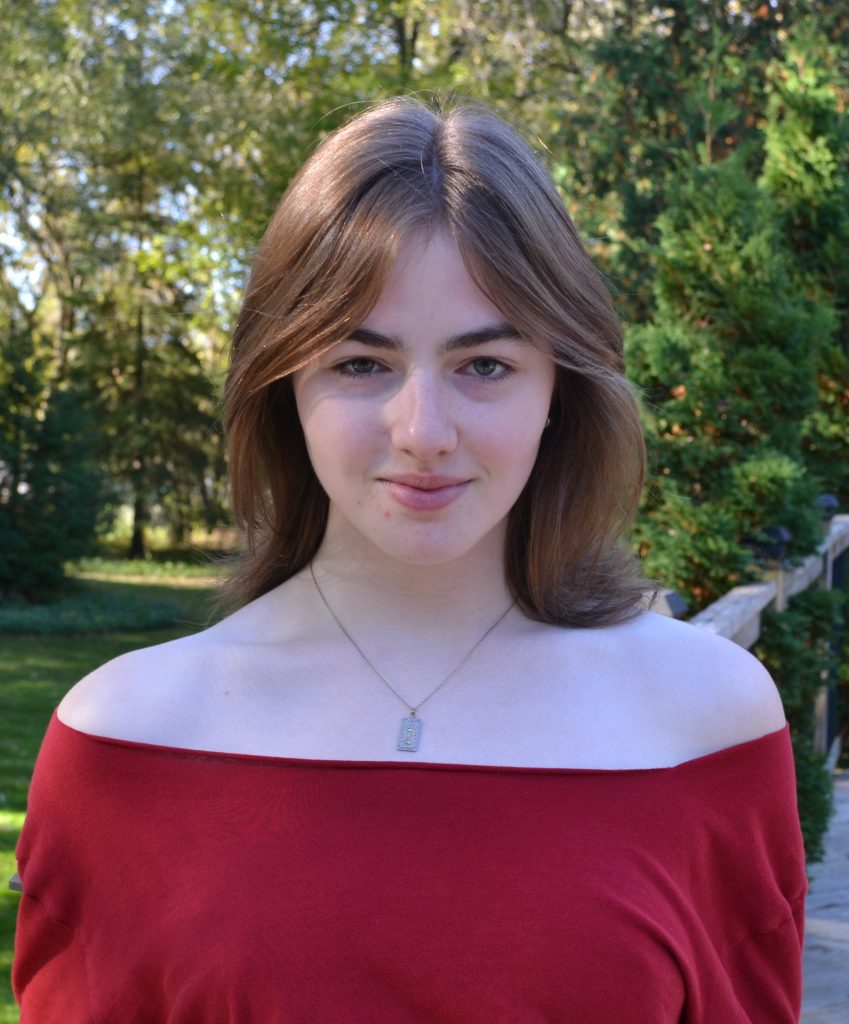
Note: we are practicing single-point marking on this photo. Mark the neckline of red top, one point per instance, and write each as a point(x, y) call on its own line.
point(738, 749)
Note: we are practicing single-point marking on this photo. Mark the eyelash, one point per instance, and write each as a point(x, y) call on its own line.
point(345, 369)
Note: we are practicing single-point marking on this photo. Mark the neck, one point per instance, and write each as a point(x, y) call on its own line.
point(455, 601)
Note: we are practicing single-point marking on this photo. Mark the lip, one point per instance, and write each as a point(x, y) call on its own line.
point(424, 492)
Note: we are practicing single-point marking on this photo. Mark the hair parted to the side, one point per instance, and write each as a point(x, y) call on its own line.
point(396, 169)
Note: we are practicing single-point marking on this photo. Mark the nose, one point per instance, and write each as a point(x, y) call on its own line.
point(421, 418)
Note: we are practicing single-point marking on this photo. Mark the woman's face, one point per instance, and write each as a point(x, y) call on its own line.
point(424, 425)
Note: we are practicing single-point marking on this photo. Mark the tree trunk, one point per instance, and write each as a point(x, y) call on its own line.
point(406, 46)
point(138, 548)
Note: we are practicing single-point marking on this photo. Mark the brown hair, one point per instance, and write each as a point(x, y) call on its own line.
point(399, 168)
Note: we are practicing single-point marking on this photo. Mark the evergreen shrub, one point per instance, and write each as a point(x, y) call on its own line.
point(51, 489)
point(727, 367)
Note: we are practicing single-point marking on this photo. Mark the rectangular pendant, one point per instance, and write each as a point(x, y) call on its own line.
point(411, 731)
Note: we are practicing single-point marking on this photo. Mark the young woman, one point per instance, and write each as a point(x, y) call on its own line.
point(440, 765)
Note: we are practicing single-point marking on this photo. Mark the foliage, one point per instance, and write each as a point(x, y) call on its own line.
point(802, 648)
point(153, 567)
point(95, 191)
point(50, 487)
point(727, 365)
point(689, 545)
point(86, 614)
point(805, 169)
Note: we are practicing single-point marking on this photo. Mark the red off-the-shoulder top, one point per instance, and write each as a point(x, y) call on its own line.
point(168, 886)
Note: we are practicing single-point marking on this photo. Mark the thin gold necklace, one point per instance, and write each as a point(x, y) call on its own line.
point(411, 727)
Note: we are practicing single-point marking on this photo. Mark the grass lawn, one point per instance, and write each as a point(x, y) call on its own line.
point(35, 672)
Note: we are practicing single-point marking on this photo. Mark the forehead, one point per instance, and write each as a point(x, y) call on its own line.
point(429, 285)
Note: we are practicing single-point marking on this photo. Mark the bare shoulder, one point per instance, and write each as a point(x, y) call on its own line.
point(710, 690)
point(170, 693)
point(132, 695)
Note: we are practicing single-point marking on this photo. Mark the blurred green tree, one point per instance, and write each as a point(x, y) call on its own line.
point(51, 490)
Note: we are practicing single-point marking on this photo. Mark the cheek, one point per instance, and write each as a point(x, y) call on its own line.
point(336, 438)
point(527, 446)
point(512, 438)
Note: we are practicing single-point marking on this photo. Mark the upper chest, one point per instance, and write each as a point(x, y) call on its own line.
point(575, 702)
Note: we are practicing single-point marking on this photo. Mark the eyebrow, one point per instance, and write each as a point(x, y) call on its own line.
point(468, 339)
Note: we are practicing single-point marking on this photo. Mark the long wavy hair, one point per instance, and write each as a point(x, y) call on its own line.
point(396, 169)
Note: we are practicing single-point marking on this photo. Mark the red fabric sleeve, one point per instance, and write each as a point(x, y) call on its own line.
point(766, 971)
point(49, 976)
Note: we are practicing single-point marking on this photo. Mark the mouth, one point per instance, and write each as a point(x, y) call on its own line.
point(425, 492)
point(425, 481)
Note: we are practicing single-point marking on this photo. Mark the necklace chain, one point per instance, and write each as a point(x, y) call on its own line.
point(413, 708)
